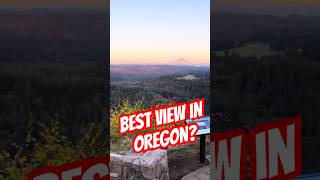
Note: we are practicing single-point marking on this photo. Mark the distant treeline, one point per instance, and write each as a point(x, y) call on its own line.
point(163, 89)
point(295, 34)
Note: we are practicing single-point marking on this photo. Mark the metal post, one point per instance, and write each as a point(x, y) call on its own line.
point(202, 148)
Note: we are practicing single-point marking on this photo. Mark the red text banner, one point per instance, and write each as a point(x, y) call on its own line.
point(274, 149)
point(88, 169)
point(169, 123)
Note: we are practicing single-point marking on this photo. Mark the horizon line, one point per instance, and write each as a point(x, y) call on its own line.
point(171, 64)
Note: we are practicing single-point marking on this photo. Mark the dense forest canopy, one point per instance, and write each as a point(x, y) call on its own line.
point(53, 64)
point(153, 88)
point(267, 67)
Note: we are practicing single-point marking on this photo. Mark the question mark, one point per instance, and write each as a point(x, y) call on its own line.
point(194, 130)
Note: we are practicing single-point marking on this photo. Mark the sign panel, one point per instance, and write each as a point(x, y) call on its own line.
point(203, 125)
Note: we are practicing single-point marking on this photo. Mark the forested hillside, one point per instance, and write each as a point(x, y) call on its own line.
point(53, 69)
point(254, 84)
point(154, 91)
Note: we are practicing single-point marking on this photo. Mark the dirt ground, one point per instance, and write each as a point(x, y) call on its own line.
point(183, 160)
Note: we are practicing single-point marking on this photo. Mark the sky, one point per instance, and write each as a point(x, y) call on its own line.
point(160, 31)
point(275, 7)
point(52, 3)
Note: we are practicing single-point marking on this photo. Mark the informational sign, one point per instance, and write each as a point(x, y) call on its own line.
point(203, 125)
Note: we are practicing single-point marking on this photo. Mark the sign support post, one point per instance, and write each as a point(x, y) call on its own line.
point(202, 148)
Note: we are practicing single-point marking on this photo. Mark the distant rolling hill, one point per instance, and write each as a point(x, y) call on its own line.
point(144, 72)
point(232, 30)
point(153, 83)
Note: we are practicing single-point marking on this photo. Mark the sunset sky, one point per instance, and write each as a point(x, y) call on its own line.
point(160, 31)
